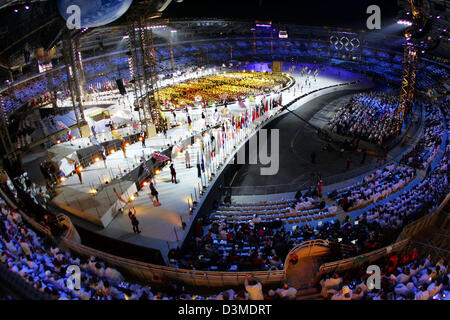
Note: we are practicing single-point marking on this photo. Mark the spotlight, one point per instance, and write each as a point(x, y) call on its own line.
point(28, 7)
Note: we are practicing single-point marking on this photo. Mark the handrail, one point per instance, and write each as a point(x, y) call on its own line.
point(306, 244)
point(370, 256)
point(152, 272)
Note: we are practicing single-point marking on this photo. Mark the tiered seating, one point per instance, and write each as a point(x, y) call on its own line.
point(428, 146)
point(369, 116)
point(375, 186)
point(404, 277)
point(269, 211)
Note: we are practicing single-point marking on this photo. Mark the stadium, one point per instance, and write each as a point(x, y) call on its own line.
point(168, 150)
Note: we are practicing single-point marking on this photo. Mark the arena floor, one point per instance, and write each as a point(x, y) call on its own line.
point(161, 226)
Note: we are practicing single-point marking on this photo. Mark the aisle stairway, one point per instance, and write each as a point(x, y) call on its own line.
point(303, 273)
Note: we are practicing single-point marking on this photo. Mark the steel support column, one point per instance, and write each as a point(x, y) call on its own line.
point(73, 73)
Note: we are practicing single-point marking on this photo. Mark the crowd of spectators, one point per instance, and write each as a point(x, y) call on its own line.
point(263, 245)
point(403, 277)
point(45, 267)
point(373, 187)
point(428, 146)
point(368, 116)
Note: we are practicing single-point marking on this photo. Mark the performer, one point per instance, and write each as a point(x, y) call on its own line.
point(104, 157)
point(78, 170)
point(154, 194)
point(173, 173)
point(134, 222)
point(188, 159)
point(142, 138)
point(124, 148)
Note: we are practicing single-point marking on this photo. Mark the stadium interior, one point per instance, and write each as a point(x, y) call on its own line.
point(180, 150)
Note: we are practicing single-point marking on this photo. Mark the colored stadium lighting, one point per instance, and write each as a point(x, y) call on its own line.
point(97, 159)
point(58, 141)
point(263, 25)
point(157, 171)
point(127, 144)
point(27, 7)
point(16, 10)
point(62, 179)
point(405, 22)
point(145, 183)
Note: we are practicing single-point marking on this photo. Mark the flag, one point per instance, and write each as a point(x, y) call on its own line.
point(144, 166)
point(120, 198)
point(70, 161)
point(162, 115)
point(252, 99)
point(61, 125)
point(241, 104)
point(160, 156)
point(199, 172)
point(116, 135)
point(203, 164)
point(178, 148)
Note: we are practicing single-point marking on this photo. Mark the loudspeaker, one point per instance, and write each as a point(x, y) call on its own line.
point(121, 87)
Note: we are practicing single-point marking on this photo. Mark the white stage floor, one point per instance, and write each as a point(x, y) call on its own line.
point(161, 226)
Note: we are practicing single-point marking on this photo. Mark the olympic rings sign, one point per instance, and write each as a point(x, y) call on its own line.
point(343, 42)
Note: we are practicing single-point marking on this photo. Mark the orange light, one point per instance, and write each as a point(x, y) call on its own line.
point(127, 144)
point(97, 159)
point(145, 183)
point(140, 138)
point(157, 171)
point(63, 179)
point(58, 141)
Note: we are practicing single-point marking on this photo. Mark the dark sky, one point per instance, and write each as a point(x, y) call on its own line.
point(346, 13)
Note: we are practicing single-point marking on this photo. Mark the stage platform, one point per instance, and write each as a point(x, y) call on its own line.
point(161, 226)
